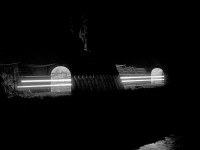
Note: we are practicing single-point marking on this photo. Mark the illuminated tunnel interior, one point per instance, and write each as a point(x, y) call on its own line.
point(60, 79)
point(157, 76)
point(54, 79)
point(133, 77)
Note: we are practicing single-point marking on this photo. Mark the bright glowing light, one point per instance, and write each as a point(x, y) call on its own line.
point(55, 80)
point(34, 76)
point(57, 74)
point(132, 85)
point(141, 80)
point(156, 72)
point(136, 77)
point(32, 86)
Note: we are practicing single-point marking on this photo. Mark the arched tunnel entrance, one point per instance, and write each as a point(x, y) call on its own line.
point(157, 76)
point(60, 79)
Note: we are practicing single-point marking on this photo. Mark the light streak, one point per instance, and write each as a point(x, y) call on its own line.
point(34, 76)
point(32, 86)
point(142, 80)
point(147, 84)
point(55, 80)
point(136, 77)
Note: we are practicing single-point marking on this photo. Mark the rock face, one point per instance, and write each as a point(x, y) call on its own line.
point(2, 91)
point(83, 31)
point(123, 69)
point(167, 144)
point(130, 71)
point(60, 72)
point(9, 76)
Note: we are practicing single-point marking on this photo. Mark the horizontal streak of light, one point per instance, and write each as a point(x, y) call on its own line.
point(132, 77)
point(150, 84)
point(34, 76)
point(138, 85)
point(56, 80)
point(141, 80)
point(30, 86)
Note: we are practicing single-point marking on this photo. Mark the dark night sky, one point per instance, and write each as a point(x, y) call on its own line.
point(34, 32)
point(124, 31)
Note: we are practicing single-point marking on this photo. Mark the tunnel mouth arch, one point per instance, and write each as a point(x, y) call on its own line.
point(61, 80)
point(157, 76)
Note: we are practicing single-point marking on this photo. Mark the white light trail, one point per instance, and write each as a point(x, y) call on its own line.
point(136, 77)
point(136, 85)
point(142, 80)
point(55, 80)
point(32, 86)
point(147, 84)
point(34, 76)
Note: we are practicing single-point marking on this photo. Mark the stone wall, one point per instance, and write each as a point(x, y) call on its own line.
point(10, 75)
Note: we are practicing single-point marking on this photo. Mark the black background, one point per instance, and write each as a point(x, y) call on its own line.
point(115, 30)
point(119, 32)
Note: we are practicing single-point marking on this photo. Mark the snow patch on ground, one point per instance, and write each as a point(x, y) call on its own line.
point(167, 144)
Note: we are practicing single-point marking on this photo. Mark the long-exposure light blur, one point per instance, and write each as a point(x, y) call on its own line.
point(141, 80)
point(35, 76)
point(136, 77)
point(55, 80)
point(34, 86)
